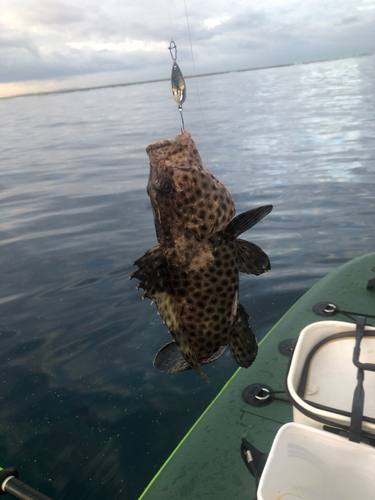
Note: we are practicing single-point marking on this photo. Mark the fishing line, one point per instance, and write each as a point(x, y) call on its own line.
point(192, 57)
point(169, 15)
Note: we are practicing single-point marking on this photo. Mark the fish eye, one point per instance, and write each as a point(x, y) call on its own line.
point(166, 185)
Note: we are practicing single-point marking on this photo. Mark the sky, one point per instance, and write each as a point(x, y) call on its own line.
point(49, 45)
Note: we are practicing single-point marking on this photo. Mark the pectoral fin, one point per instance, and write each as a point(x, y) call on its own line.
point(251, 258)
point(243, 343)
point(246, 220)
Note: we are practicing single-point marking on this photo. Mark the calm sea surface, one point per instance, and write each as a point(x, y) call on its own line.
point(83, 413)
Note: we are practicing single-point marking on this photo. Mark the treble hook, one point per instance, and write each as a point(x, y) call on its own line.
point(178, 82)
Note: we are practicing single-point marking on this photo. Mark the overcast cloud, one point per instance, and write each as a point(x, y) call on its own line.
point(56, 44)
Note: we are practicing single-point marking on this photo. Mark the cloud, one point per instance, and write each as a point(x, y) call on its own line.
point(61, 39)
point(12, 41)
point(56, 13)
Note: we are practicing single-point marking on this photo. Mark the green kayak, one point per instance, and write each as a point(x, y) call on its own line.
point(207, 463)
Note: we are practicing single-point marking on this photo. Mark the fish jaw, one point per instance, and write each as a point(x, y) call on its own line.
point(187, 200)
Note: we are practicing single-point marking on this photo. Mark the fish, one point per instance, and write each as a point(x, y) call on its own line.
point(192, 274)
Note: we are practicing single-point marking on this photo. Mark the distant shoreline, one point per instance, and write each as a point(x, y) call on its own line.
point(83, 89)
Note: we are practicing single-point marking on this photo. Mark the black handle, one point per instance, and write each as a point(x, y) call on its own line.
point(361, 323)
point(10, 484)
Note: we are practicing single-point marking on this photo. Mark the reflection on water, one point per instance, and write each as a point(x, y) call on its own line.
point(83, 412)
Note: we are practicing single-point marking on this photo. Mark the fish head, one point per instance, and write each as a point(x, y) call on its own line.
point(185, 196)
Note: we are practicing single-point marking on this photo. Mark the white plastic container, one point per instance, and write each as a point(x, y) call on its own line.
point(332, 377)
point(312, 464)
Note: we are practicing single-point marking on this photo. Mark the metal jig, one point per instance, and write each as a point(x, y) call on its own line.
point(177, 81)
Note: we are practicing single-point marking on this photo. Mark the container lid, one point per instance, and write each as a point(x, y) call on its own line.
point(321, 378)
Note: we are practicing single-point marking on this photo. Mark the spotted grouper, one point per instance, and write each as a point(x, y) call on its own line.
point(192, 274)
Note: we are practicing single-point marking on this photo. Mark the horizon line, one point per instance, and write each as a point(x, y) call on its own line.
point(111, 85)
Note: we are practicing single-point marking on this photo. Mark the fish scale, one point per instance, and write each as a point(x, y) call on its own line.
point(192, 275)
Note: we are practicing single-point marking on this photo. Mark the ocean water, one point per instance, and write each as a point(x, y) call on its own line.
point(83, 413)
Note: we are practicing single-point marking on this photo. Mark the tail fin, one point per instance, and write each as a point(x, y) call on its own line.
point(186, 351)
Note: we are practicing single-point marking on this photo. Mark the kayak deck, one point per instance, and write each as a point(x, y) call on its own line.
point(207, 462)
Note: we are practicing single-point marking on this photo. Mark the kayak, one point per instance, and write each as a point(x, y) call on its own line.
point(256, 404)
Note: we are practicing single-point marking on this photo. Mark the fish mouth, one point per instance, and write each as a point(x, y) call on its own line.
point(168, 142)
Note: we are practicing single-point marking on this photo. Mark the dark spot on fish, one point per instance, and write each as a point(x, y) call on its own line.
point(198, 192)
point(205, 185)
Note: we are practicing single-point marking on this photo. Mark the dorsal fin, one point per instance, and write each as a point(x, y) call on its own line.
point(152, 273)
point(246, 220)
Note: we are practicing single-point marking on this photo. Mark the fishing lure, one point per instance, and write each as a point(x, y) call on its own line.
point(177, 81)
